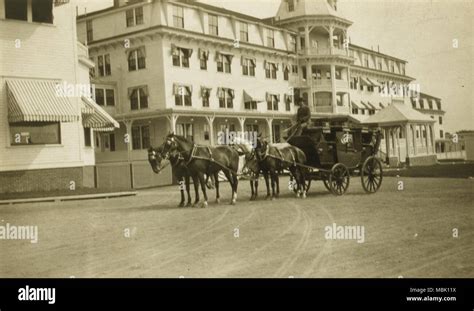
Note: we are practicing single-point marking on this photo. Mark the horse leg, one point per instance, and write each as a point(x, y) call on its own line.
point(188, 189)
point(218, 196)
point(277, 180)
point(256, 186)
point(235, 186)
point(272, 175)
point(266, 177)
point(252, 190)
point(196, 189)
point(303, 182)
point(230, 178)
point(181, 190)
point(202, 181)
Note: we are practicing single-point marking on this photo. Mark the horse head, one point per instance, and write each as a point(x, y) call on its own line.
point(261, 148)
point(155, 157)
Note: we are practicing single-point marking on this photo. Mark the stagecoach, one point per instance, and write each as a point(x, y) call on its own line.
point(334, 153)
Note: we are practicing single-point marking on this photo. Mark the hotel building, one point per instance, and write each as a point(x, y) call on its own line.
point(195, 69)
point(45, 135)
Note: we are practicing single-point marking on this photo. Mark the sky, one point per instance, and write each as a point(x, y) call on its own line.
point(422, 32)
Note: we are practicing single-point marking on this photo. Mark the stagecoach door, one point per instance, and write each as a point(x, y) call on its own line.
point(349, 148)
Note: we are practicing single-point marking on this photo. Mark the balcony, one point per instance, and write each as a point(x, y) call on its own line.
point(321, 109)
point(324, 51)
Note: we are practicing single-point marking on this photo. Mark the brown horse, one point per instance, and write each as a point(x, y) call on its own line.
point(275, 158)
point(203, 160)
point(180, 171)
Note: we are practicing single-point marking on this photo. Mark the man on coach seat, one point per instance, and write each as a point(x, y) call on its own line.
point(303, 118)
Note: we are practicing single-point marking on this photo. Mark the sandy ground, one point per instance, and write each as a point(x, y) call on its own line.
point(408, 233)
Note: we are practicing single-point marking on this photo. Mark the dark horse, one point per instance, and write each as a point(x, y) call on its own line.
point(203, 160)
point(181, 172)
point(275, 158)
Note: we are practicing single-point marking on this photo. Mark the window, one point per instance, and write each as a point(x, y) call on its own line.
point(203, 57)
point(213, 25)
point(440, 119)
point(354, 83)
point(248, 66)
point(87, 137)
point(224, 62)
point(271, 70)
point(288, 100)
point(226, 98)
point(244, 32)
point(286, 72)
point(181, 56)
point(90, 31)
point(100, 97)
point(272, 101)
point(206, 132)
point(366, 60)
point(328, 75)
point(370, 88)
point(186, 130)
point(42, 11)
point(182, 95)
point(140, 137)
point(392, 67)
point(178, 16)
point(338, 74)
point(205, 95)
point(35, 133)
point(270, 38)
point(250, 105)
point(138, 98)
point(291, 5)
point(293, 46)
point(16, 9)
point(104, 67)
point(137, 59)
point(112, 142)
point(134, 17)
point(379, 65)
point(294, 69)
point(109, 97)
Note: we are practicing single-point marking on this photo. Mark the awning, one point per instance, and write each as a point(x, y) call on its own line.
point(371, 106)
point(99, 119)
point(250, 98)
point(365, 105)
point(354, 105)
point(374, 82)
point(364, 81)
point(32, 100)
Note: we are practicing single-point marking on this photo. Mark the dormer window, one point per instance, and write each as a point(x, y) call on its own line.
point(291, 5)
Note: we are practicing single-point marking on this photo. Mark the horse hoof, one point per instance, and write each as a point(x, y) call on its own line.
point(304, 196)
point(204, 204)
point(273, 198)
point(268, 197)
point(181, 204)
point(189, 204)
point(218, 201)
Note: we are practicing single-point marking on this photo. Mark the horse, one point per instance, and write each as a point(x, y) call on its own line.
point(250, 167)
point(201, 160)
point(181, 172)
point(274, 158)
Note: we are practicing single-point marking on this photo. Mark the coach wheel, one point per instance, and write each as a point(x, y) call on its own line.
point(339, 179)
point(371, 175)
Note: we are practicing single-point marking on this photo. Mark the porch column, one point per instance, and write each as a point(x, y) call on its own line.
point(172, 122)
point(331, 40)
point(428, 145)
point(387, 144)
point(413, 135)
point(433, 149)
point(210, 122)
point(242, 124)
point(333, 85)
point(306, 39)
point(397, 142)
point(270, 129)
point(407, 142)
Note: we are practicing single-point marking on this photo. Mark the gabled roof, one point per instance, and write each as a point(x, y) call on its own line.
point(397, 113)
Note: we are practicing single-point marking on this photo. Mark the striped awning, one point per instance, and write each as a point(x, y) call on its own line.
point(32, 100)
point(93, 116)
point(250, 98)
point(355, 105)
point(371, 106)
point(374, 82)
point(365, 105)
point(364, 81)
